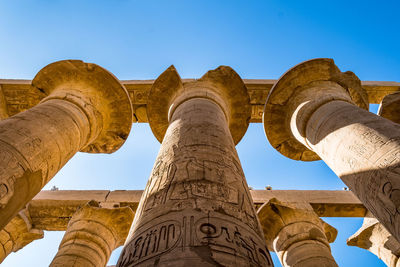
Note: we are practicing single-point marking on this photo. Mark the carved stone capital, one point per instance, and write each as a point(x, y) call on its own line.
point(297, 94)
point(86, 109)
point(97, 92)
point(17, 234)
point(374, 237)
point(389, 108)
point(296, 233)
point(92, 234)
point(222, 86)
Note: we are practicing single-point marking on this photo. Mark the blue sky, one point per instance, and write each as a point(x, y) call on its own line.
point(140, 39)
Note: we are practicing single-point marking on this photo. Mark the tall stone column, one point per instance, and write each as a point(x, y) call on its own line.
point(86, 109)
point(389, 108)
point(196, 209)
point(315, 111)
point(92, 234)
point(18, 233)
point(296, 233)
point(374, 237)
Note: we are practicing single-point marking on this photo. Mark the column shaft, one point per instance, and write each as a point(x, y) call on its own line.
point(315, 111)
point(363, 149)
point(196, 209)
point(34, 145)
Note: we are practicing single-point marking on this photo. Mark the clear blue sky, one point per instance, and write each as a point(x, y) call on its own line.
point(140, 39)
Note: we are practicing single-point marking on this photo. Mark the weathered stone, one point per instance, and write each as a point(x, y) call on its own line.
point(389, 108)
point(297, 234)
point(196, 209)
point(17, 234)
point(314, 110)
point(92, 234)
point(3, 105)
point(374, 237)
point(16, 91)
point(86, 109)
point(52, 210)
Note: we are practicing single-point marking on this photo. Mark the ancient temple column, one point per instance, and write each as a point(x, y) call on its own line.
point(374, 237)
point(196, 209)
point(17, 234)
point(315, 111)
point(389, 107)
point(92, 234)
point(296, 233)
point(86, 109)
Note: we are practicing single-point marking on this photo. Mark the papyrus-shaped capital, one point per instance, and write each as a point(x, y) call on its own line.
point(92, 234)
point(374, 237)
point(297, 234)
point(222, 86)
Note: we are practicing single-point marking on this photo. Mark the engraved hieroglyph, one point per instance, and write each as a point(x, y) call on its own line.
point(316, 111)
point(86, 109)
point(374, 237)
point(18, 233)
point(296, 233)
point(196, 209)
point(92, 234)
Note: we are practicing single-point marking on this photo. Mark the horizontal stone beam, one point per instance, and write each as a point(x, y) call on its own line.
point(52, 210)
point(19, 98)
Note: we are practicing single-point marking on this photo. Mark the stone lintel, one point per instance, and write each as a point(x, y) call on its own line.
point(258, 89)
point(52, 210)
point(3, 105)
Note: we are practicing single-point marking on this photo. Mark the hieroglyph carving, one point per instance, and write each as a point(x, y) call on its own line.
point(315, 111)
point(196, 202)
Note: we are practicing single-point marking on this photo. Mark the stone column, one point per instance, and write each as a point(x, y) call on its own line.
point(18, 233)
point(374, 237)
point(390, 107)
point(196, 209)
point(92, 234)
point(315, 111)
point(296, 233)
point(86, 109)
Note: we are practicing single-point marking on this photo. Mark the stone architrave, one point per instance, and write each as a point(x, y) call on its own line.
point(296, 233)
point(389, 108)
point(315, 111)
point(86, 109)
point(374, 237)
point(3, 105)
point(196, 209)
point(17, 234)
point(92, 234)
